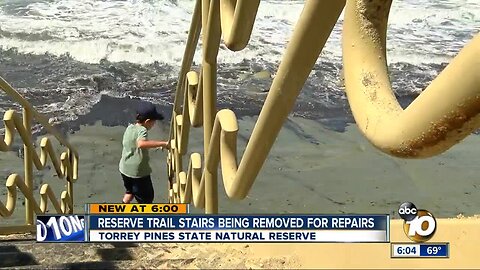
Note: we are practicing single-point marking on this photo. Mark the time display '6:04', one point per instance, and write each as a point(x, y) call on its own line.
point(406, 250)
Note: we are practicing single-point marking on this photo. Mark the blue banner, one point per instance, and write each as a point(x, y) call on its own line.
point(434, 250)
point(239, 222)
point(61, 228)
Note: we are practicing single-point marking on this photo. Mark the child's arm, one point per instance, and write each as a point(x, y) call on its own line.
point(142, 143)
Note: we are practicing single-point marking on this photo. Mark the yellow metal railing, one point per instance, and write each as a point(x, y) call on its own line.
point(66, 166)
point(446, 112)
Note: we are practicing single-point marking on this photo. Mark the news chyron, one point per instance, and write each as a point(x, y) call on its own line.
point(61, 228)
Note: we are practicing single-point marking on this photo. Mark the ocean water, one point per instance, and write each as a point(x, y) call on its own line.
point(63, 55)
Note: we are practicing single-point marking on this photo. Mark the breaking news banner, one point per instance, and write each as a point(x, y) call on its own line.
point(61, 228)
point(121, 208)
point(239, 228)
point(419, 225)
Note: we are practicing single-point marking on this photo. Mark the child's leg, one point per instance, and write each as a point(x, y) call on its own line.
point(127, 197)
point(127, 182)
point(143, 190)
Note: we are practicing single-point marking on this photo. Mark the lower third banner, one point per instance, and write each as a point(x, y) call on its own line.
point(280, 236)
point(239, 228)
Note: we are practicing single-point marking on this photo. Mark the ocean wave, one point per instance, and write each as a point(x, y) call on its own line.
point(64, 55)
point(65, 88)
point(147, 31)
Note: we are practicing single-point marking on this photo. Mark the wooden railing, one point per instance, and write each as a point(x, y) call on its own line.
point(66, 166)
point(445, 113)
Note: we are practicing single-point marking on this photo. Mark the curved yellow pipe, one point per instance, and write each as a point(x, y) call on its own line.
point(66, 204)
point(192, 189)
point(191, 112)
point(194, 100)
point(13, 94)
point(223, 148)
point(445, 113)
point(14, 123)
point(311, 32)
point(47, 193)
point(237, 19)
point(14, 181)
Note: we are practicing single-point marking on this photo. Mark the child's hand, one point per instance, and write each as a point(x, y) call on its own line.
point(163, 147)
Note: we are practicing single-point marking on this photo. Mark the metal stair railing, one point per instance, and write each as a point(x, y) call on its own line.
point(440, 117)
point(66, 166)
point(436, 120)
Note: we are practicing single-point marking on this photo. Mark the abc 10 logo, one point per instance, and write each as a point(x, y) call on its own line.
point(419, 225)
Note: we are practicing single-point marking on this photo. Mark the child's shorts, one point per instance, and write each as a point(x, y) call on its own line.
point(141, 188)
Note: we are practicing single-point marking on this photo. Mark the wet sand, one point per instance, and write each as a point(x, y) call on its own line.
point(310, 169)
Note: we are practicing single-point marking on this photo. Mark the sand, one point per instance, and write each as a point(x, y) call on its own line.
point(310, 170)
point(315, 170)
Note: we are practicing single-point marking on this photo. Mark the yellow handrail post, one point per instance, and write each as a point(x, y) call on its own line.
point(211, 44)
point(70, 182)
point(178, 163)
point(28, 166)
point(193, 36)
point(177, 157)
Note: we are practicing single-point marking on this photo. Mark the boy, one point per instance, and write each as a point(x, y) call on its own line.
point(134, 165)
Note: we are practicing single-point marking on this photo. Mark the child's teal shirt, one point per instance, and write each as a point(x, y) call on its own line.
point(135, 161)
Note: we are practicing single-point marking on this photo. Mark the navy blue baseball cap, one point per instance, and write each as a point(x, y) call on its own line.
point(147, 110)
